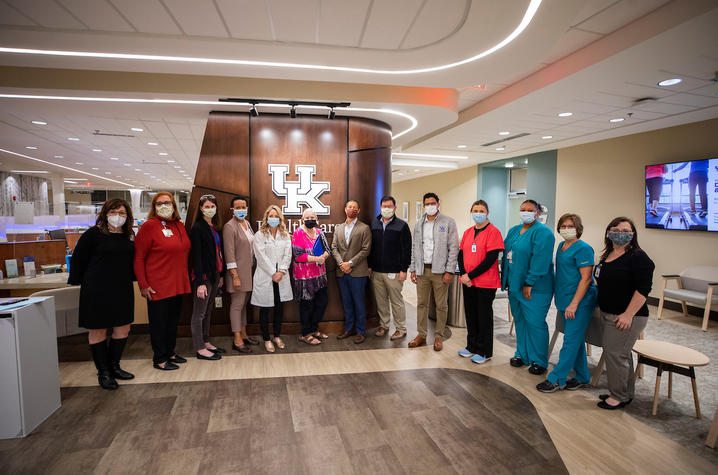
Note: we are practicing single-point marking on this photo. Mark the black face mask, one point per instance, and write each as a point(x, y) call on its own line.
point(310, 223)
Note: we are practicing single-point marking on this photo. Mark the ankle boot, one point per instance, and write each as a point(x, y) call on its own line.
point(100, 355)
point(117, 346)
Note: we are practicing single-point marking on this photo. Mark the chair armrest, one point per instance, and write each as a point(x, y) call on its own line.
point(671, 276)
point(712, 284)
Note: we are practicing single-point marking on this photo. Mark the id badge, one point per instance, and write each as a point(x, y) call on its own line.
point(509, 257)
point(167, 232)
point(391, 276)
point(473, 247)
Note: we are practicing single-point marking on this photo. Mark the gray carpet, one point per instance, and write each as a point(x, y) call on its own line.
point(676, 417)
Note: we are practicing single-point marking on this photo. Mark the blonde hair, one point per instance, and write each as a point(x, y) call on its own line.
point(266, 228)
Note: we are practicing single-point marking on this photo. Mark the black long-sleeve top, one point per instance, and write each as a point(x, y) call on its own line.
point(619, 279)
point(390, 247)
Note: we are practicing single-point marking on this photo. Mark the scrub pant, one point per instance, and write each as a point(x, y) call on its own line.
point(573, 351)
point(353, 294)
point(531, 327)
point(479, 311)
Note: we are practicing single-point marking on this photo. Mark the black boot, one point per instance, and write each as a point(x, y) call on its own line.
point(116, 348)
point(102, 362)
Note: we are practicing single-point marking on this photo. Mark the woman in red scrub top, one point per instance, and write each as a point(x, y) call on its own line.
point(478, 263)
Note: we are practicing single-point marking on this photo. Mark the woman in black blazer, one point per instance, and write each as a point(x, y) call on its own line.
point(207, 266)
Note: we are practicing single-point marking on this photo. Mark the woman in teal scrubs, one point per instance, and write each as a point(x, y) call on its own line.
point(528, 275)
point(575, 298)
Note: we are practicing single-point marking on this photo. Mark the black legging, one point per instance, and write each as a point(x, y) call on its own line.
point(478, 307)
point(654, 186)
point(311, 312)
point(264, 316)
point(700, 180)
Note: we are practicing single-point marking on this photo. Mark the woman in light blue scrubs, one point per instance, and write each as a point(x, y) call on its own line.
point(575, 298)
point(528, 275)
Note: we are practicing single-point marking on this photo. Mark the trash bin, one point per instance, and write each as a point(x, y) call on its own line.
point(456, 316)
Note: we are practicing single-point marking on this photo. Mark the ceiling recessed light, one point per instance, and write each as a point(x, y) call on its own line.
point(114, 158)
point(108, 173)
point(30, 147)
point(79, 163)
point(95, 168)
point(565, 114)
point(152, 143)
point(137, 129)
point(547, 137)
point(59, 156)
point(505, 132)
point(127, 164)
point(509, 164)
point(97, 150)
point(670, 82)
point(170, 161)
point(416, 169)
point(617, 119)
point(74, 139)
point(164, 154)
point(39, 122)
point(500, 148)
point(146, 173)
point(138, 169)
point(461, 146)
point(177, 166)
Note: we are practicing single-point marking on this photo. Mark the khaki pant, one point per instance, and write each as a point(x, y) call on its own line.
point(388, 294)
point(238, 310)
point(617, 346)
point(424, 284)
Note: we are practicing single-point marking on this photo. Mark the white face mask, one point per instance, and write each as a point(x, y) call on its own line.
point(165, 211)
point(116, 221)
point(568, 233)
point(527, 217)
point(209, 212)
point(431, 210)
point(387, 213)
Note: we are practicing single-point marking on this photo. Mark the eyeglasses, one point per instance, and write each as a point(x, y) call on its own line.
point(207, 197)
point(622, 231)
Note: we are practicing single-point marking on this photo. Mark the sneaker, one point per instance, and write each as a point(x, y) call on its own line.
point(549, 387)
point(465, 353)
point(536, 369)
point(478, 359)
point(574, 384)
point(516, 362)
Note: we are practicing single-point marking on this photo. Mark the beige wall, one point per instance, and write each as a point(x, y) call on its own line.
point(456, 190)
point(605, 179)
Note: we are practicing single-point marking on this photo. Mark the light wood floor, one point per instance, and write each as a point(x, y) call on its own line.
point(589, 440)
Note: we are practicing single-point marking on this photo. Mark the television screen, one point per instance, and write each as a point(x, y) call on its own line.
point(683, 195)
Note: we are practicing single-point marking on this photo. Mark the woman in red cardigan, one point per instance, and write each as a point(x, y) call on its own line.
point(161, 251)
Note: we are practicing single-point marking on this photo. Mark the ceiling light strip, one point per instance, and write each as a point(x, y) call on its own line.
point(414, 122)
point(528, 16)
point(62, 166)
point(421, 163)
point(429, 155)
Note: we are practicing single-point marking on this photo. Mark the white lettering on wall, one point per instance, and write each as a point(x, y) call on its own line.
point(304, 191)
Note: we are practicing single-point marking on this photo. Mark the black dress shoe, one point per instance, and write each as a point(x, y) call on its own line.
point(250, 340)
point(536, 369)
point(516, 362)
point(218, 349)
point(241, 348)
point(214, 357)
point(120, 373)
point(177, 359)
point(603, 397)
point(106, 380)
point(605, 405)
point(169, 366)
point(346, 335)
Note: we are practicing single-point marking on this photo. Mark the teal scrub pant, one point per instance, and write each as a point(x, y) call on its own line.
point(573, 351)
point(531, 328)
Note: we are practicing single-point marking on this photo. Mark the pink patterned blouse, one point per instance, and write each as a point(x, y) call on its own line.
point(308, 276)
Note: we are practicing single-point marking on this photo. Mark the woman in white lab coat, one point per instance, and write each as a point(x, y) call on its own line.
point(271, 285)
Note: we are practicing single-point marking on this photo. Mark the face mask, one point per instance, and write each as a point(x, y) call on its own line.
point(310, 223)
point(528, 217)
point(116, 220)
point(165, 211)
point(478, 217)
point(352, 213)
point(387, 213)
point(619, 239)
point(431, 210)
point(273, 222)
point(209, 212)
point(240, 213)
point(568, 234)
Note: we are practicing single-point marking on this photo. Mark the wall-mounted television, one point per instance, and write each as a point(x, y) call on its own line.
point(682, 195)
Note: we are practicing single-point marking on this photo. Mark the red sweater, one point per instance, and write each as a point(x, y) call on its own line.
point(160, 261)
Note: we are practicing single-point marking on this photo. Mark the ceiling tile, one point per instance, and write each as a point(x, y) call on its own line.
point(571, 41)
point(147, 16)
point(295, 20)
point(97, 15)
point(436, 20)
point(388, 23)
point(246, 19)
point(656, 106)
point(590, 8)
point(10, 16)
point(341, 23)
point(620, 14)
point(692, 100)
point(197, 17)
point(48, 14)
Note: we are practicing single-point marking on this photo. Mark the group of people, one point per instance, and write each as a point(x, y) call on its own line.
point(254, 268)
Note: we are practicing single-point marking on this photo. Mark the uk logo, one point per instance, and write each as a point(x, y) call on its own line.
point(304, 191)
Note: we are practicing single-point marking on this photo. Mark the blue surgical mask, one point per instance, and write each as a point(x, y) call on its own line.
point(619, 238)
point(240, 213)
point(527, 217)
point(478, 217)
point(273, 222)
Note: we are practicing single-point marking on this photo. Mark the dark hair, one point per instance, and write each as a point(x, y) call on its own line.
point(387, 198)
point(535, 203)
point(576, 223)
point(153, 211)
point(352, 201)
point(480, 203)
point(111, 205)
point(608, 244)
point(430, 195)
point(202, 200)
point(239, 197)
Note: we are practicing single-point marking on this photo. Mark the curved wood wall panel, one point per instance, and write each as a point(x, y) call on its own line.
point(367, 134)
point(224, 158)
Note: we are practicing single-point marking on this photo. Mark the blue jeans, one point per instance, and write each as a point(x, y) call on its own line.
point(352, 290)
point(573, 351)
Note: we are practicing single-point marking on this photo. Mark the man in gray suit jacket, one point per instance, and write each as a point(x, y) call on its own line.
point(350, 248)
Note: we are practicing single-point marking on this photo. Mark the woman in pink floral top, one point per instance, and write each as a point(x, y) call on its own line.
point(310, 278)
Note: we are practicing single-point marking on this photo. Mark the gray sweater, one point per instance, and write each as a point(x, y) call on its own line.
point(446, 246)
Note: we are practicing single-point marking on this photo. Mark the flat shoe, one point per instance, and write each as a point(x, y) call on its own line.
point(177, 359)
point(279, 343)
point(218, 350)
point(250, 340)
point(603, 397)
point(214, 357)
point(169, 366)
point(241, 348)
point(359, 339)
point(605, 405)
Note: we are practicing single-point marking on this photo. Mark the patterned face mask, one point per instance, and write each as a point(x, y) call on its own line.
point(619, 239)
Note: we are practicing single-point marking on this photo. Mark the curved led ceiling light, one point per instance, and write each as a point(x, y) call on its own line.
point(528, 16)
point(414, 122)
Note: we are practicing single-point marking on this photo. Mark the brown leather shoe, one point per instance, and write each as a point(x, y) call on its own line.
point(346, 335)
point(438, 345)
point(397, 335)
point(359, 339)
point(381, 331)
point(418, 341)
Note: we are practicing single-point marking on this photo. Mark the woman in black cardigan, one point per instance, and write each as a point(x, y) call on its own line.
point(206, 275)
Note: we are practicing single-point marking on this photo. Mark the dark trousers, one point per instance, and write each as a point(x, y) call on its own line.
point(163, 316)
point(353, 292)
point(311, 312)
point(478, 307)
point(654, 186)
point(202, 314)
point(264, 316)
point(698, 180)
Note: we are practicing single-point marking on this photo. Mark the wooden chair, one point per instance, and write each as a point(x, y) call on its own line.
point(695, 285)
point(713, 432)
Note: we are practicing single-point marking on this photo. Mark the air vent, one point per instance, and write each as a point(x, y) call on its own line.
point(505, 140)
point(643, 100)
point(105, 134)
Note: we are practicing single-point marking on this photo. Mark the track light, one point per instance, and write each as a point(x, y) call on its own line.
point(293, 112)
point(332, 114)
point(254, 110)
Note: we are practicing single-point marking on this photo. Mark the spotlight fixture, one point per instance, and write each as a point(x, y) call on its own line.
point(254, 110)
point(293, 112)
point(332, 114)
